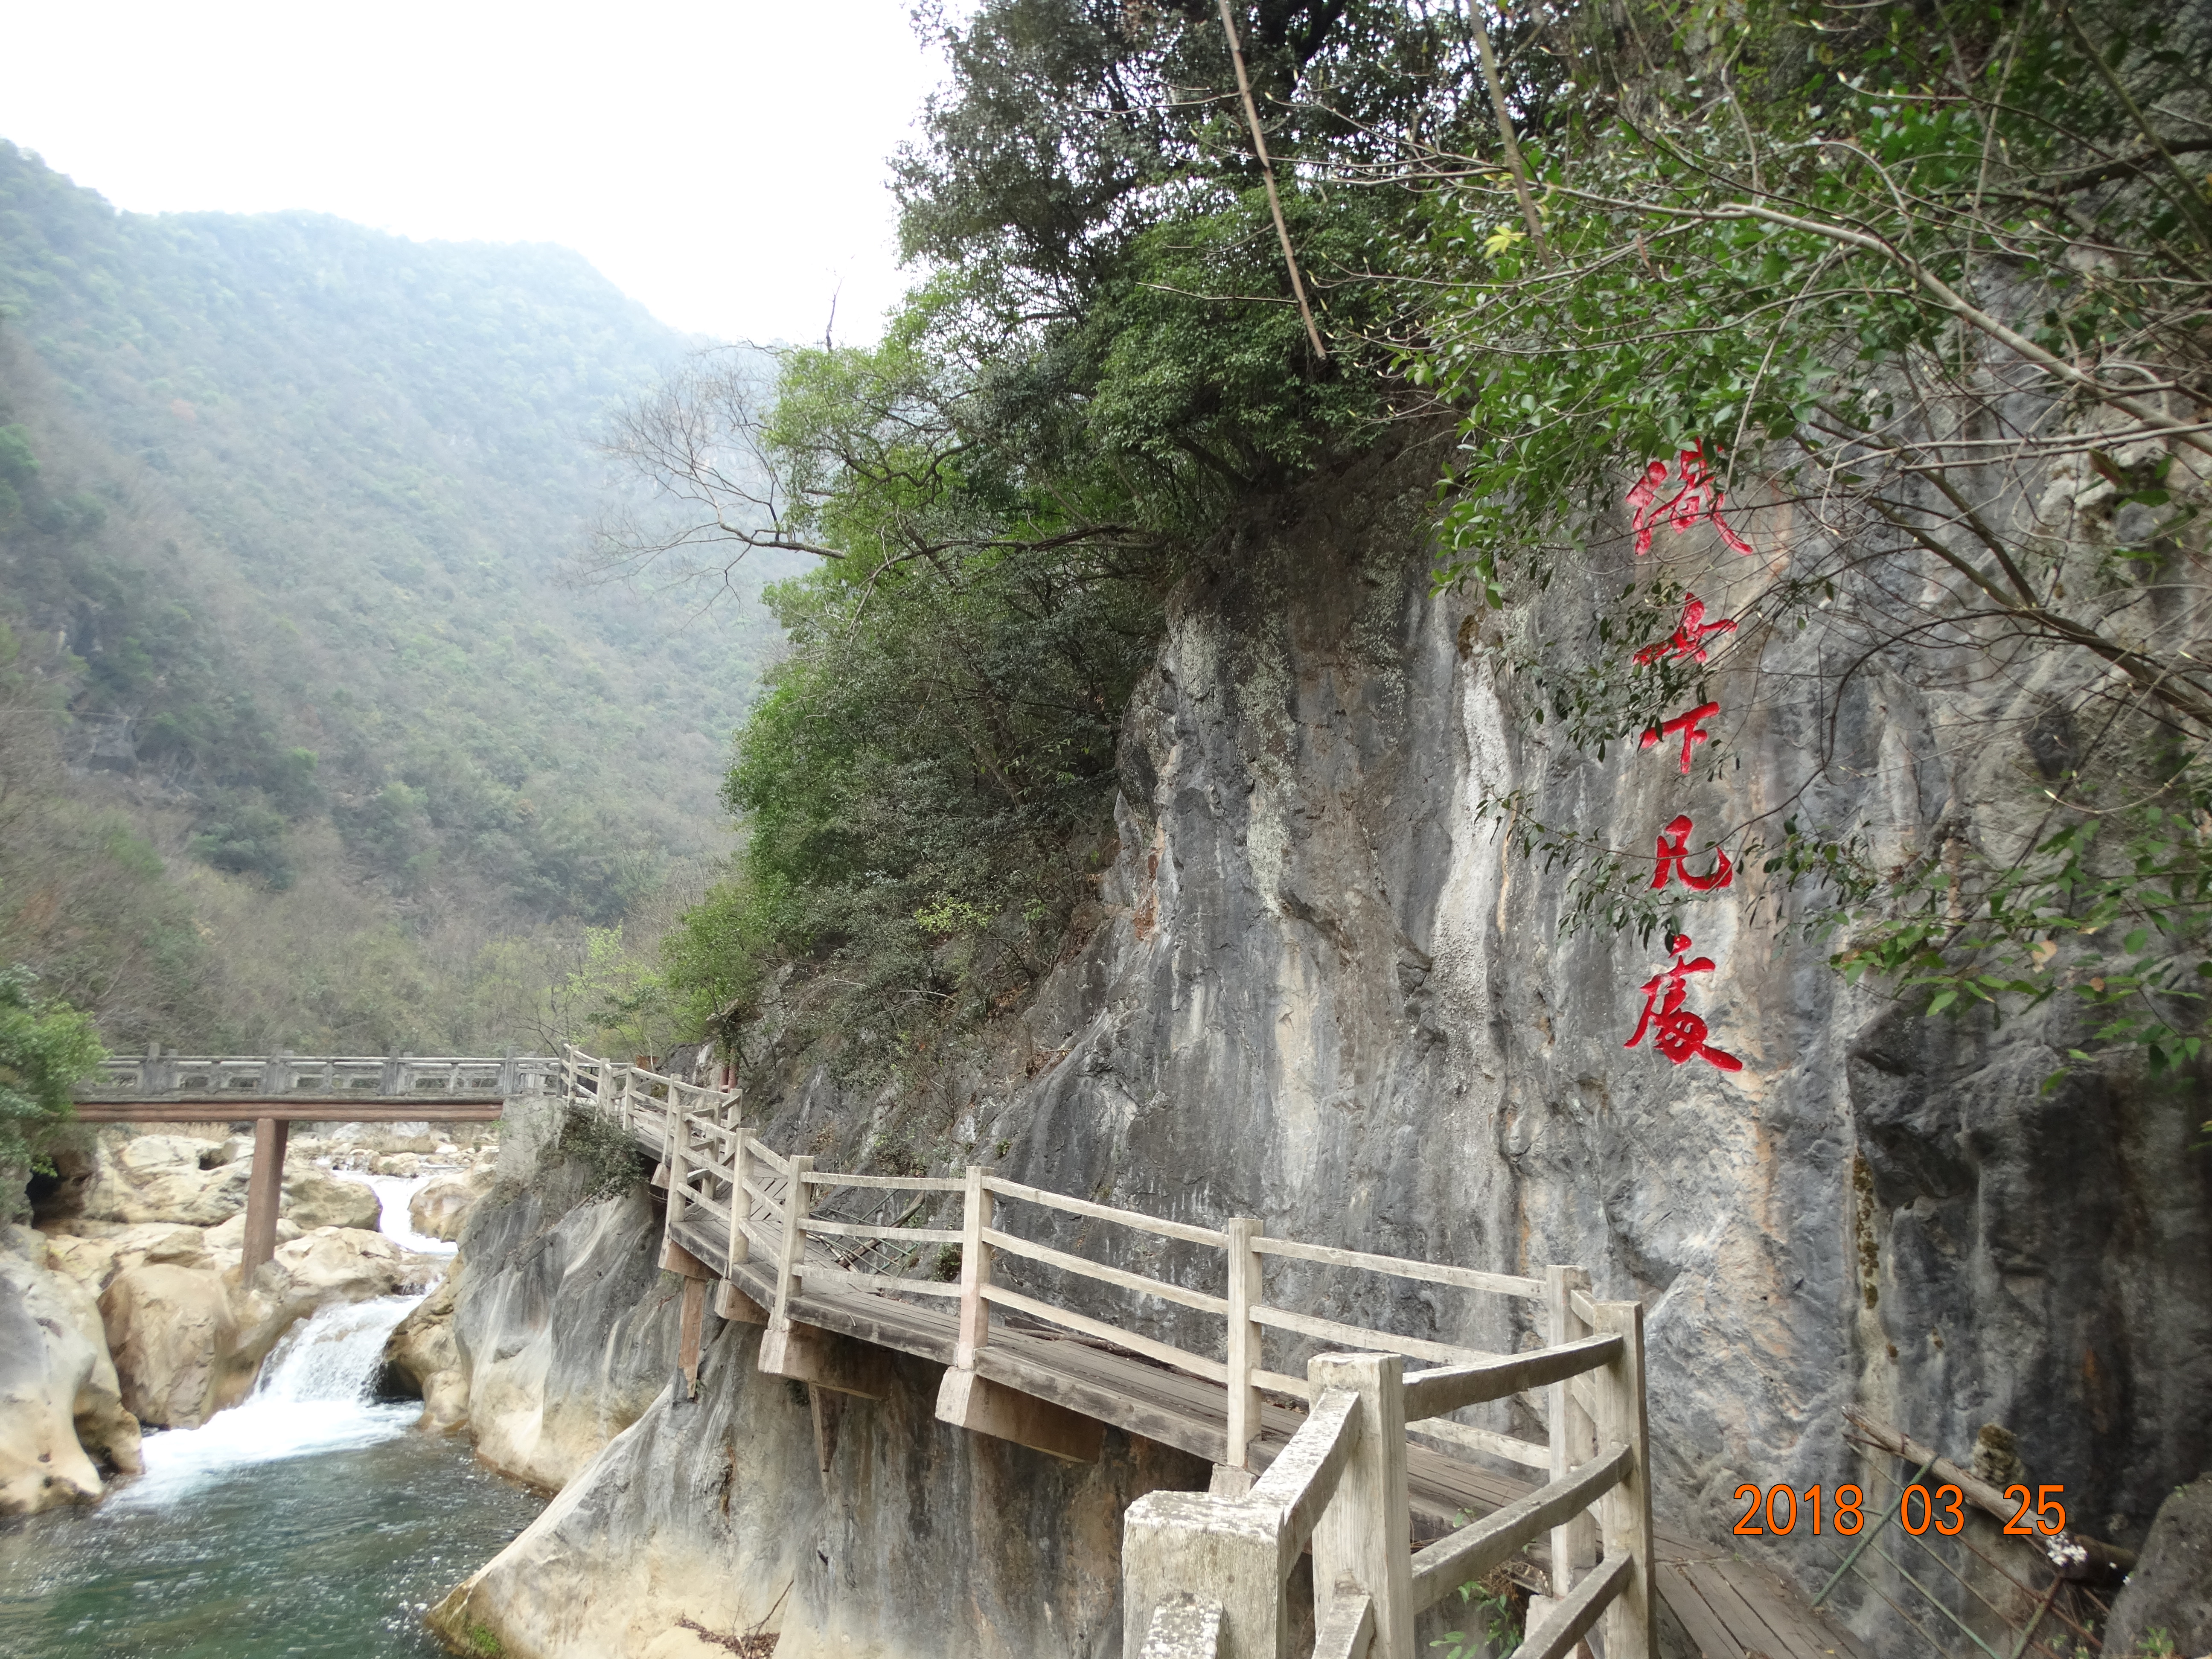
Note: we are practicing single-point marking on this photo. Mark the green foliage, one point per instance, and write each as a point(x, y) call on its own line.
point(45, 1048)
point(603, 1149)
point(1107, 360)
point(919, 788)
point(2049, 921)
point(1501, 1608)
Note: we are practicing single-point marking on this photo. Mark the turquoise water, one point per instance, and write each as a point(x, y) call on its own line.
point(307, 1521)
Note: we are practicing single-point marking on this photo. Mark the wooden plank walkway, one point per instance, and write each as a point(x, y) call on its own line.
point(1729, 1607)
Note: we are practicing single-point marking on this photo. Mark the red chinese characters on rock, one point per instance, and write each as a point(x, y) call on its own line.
point(1674, 859)
point(1677, 1033)
point(1697, 500)
point(1690, 727)
point(1688, 642)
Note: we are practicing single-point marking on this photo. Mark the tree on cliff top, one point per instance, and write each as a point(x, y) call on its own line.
point(1107, 360)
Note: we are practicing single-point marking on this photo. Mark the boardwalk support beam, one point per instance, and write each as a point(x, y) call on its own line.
point(967, 1401)
point(825, 1359)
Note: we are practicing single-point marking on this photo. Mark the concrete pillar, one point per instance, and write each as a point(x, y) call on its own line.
point(264, 1191)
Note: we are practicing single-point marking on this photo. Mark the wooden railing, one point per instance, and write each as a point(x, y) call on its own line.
point(1204, 1573)
point(156, 1074)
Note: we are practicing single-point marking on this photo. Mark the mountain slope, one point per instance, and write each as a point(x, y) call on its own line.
point(288, 504)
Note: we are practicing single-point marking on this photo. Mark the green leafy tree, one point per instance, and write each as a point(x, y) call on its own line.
point(45, 1049)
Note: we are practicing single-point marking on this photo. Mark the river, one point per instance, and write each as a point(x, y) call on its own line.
point(306, 1520)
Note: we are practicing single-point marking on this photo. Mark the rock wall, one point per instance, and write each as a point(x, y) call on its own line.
point(1316, 987)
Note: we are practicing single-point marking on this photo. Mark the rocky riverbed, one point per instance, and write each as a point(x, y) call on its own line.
point(123, 1307)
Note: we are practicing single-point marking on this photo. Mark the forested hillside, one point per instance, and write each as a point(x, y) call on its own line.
point(308, 743)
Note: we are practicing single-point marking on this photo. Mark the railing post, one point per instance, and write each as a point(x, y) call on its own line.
point(1219, 1554)
point(1573, 1436)
point(1243, 1347)
point(1624, 1511)
point(975, 1269)
point(1361, 1539)
point(794, 1242)
point(672, 1139)
point(740, 1205)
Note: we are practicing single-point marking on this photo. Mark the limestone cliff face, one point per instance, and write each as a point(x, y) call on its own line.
point(1316, 988)
point(563, 1324)
point(1327, 995)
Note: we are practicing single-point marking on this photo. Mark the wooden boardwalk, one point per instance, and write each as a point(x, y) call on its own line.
point(1713, 1604)
point(1727, 1607)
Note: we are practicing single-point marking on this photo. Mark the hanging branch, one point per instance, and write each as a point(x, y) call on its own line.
point(1267, 173)
point(1505, 139)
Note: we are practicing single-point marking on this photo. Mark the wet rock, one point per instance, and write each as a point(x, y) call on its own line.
point(342, 1264)
point(423, 1359)
point(440, 1208)
point(174, 1334)
point(61, 1409)
point(2170, 1589)
point(188, 1342)
point(406, 1165)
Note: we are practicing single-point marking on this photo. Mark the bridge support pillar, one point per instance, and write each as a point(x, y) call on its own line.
point(732, 1303)
point(265, 1193)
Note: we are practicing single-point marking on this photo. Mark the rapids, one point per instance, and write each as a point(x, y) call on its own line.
point(306, 1520)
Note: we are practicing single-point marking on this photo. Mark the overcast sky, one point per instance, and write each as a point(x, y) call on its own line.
point(722, 161)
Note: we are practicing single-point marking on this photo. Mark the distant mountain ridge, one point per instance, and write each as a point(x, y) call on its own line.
point(287, 553)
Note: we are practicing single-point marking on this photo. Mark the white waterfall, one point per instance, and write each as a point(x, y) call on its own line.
point(396, 1193)
point(312, 1397)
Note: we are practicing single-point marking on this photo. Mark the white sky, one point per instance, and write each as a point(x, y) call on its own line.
point(721, 161)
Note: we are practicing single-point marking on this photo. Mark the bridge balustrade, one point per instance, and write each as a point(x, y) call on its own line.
point(168, 1075)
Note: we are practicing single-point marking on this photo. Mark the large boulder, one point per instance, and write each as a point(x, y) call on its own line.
point(158, 1178)
point(423, 1357)
point(226, 1243)
point(314, 1199)
point(175, 1335)
point(438, 1210)
point(2170, 1589)
point(340, 1264)
point(61, 1411)
point(188, 1341)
